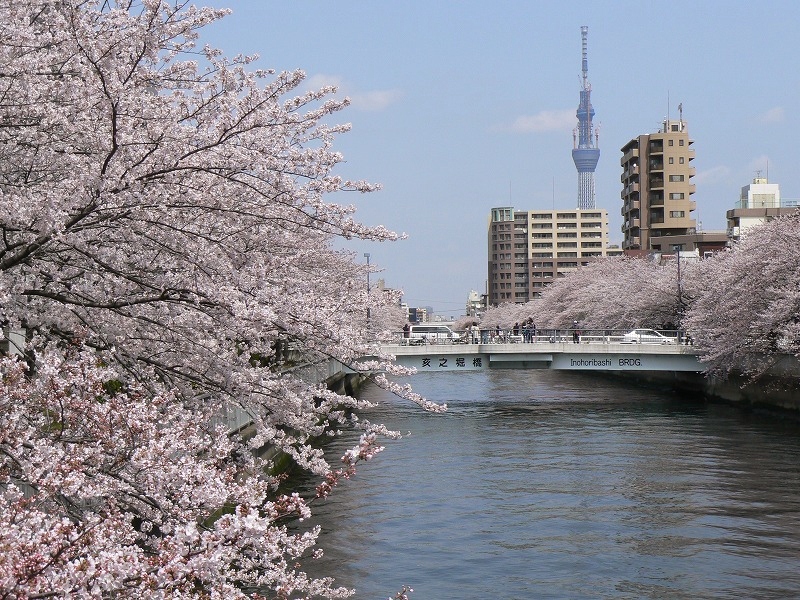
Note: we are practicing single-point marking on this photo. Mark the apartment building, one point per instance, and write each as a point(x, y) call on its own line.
point(528, 249)
point(657, 187)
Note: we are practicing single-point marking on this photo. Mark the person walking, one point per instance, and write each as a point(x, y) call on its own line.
point(576, 333)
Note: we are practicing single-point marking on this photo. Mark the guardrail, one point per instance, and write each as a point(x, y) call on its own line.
point(551, 336)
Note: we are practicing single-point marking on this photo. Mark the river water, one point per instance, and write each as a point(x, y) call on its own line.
point(547, 484)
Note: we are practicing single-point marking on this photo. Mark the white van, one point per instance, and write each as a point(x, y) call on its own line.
point(431, 334)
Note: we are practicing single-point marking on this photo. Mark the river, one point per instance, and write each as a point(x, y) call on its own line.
point(547, 484)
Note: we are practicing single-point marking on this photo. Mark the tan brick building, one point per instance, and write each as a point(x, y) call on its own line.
point(529, 249)
point(657, 187)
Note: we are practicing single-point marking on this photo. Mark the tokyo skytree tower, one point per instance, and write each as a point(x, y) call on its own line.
point(585, 153)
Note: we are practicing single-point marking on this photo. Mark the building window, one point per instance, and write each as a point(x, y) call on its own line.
point(680, 160)
point(676, 214)
point(671, 160)
point(567, 216)
point(675, 178)
point(670, 142)
point(676, 196)
point(502, 214)
point(680, 142)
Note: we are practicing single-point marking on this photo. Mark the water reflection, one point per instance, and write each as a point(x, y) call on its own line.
point(539, 484)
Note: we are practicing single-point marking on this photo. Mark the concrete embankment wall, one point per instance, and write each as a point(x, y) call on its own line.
point(778, 389)
point(346, 384)
point(338, 380)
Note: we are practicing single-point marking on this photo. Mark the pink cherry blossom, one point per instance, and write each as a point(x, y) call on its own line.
point(171, 250)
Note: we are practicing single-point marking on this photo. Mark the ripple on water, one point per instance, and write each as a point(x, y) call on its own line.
point(541, 484)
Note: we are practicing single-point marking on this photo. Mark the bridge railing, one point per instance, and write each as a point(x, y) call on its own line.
point(552, 336)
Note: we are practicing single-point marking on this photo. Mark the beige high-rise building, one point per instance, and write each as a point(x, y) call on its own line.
point(528, 249)
point(657, 187)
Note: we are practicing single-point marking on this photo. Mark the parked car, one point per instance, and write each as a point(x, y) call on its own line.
point(431, 334)
point(646, 336)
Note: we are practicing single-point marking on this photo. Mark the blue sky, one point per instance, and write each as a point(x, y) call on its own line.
point(461, 106)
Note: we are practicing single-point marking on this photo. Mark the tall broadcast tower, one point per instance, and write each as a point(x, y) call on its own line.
point(585, 153)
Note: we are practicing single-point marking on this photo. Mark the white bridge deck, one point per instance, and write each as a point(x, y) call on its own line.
point(610, 356)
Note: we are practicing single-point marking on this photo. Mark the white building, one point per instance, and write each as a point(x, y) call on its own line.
point(759, 202)
point(474, 304)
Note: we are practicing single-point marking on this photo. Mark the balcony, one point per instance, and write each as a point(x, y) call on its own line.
point(630, 206)
point(630, 171)
point(629, 155)
point(656, 183)
point(632, 188)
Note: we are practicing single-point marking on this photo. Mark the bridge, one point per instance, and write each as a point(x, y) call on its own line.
point(561, 355)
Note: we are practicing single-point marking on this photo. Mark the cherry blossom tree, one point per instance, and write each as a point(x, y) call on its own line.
point(120, 494)
point(168, 245)
point(748, 312)
point(616, 293)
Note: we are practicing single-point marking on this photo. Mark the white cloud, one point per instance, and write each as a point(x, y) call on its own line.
point(376, 100)
point(546, 120)
point(773, 115)
point(372, 100)
point(317, 81)
point(719, 174)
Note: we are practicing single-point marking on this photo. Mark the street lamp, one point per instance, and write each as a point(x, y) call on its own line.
point(677, 249)
point(366, 255)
